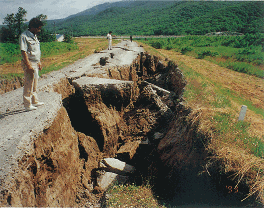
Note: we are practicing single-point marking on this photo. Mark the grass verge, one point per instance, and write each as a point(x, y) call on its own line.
point(131, 195)
point(239, 53)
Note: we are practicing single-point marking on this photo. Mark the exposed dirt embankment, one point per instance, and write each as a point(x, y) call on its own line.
point(112, 118)
point(9, 85)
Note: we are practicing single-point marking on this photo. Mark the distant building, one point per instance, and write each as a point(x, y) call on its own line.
point(59, 37)
point(223, 33)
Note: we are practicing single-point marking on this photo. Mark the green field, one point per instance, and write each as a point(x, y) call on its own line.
point(10, 52)
point(240, 53)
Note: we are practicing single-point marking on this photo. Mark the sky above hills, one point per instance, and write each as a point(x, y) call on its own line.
point(54, 9)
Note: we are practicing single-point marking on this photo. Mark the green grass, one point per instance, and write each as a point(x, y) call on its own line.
point(131, 195)
point(222, 95)
point(223, 122)
point(240, 129)
point(56, 48)
point(244, 54)
point(11, 76)
point(10, 52)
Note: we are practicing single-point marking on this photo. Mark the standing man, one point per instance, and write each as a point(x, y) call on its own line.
point(109, 37)
point(30, 50)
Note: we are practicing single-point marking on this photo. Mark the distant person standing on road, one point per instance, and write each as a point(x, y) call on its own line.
point(109, 37)
point(131, 38)
point(30, 51)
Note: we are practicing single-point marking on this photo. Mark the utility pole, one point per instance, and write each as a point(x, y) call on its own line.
point(54, 28)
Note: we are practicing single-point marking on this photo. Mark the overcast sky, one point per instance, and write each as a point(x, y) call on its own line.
point(54, 9)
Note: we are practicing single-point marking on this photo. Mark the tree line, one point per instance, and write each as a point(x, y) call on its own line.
point(167, 18)
point(148, 18)
point(16, 24)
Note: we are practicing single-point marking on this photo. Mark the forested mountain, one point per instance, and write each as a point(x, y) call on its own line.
point(164, 18)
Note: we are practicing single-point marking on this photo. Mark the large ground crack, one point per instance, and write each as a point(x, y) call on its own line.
point(81, 118)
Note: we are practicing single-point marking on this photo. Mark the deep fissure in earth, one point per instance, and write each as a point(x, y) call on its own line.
point(178, 184)
point(148, 121)
point(81, 118)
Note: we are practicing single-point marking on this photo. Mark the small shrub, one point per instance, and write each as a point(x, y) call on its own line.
point(245, 68)
point(156, 44)
point(67, 39)
point(186, 49)
point(207, 53)
point(168, 47)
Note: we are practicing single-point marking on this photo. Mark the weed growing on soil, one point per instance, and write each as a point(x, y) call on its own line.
point(131, 196)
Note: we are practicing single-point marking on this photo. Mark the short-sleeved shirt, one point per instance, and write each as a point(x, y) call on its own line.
point(109, 36)
point(30, 44)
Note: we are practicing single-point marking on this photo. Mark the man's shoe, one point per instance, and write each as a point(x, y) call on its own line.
point(30, 108)
point(38, 104)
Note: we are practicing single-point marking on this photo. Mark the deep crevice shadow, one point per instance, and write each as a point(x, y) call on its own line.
point(186, 188)
point(81, 118)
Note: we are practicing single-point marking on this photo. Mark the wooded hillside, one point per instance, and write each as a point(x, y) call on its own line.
point(164, 18)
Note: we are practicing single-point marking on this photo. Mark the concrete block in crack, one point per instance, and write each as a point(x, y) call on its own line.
point(164, 109)
point(107, 178)
point(115, 165)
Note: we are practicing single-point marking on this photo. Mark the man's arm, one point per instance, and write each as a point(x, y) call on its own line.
point(27, 63)
point(39, 66)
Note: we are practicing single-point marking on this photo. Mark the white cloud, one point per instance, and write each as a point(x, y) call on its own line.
point(54, 9)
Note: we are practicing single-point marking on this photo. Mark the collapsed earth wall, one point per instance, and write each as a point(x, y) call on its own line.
point(106, 105)
point(45, 161)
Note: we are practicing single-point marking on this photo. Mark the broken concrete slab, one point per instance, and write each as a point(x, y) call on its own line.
point(104, 180)
point(115, 165)
point(116, 93)
point(99, 83)
point(145, 142)
point(164, 109)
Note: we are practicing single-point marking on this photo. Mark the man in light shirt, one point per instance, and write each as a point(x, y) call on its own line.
point(30, 50)
point(109, 37)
